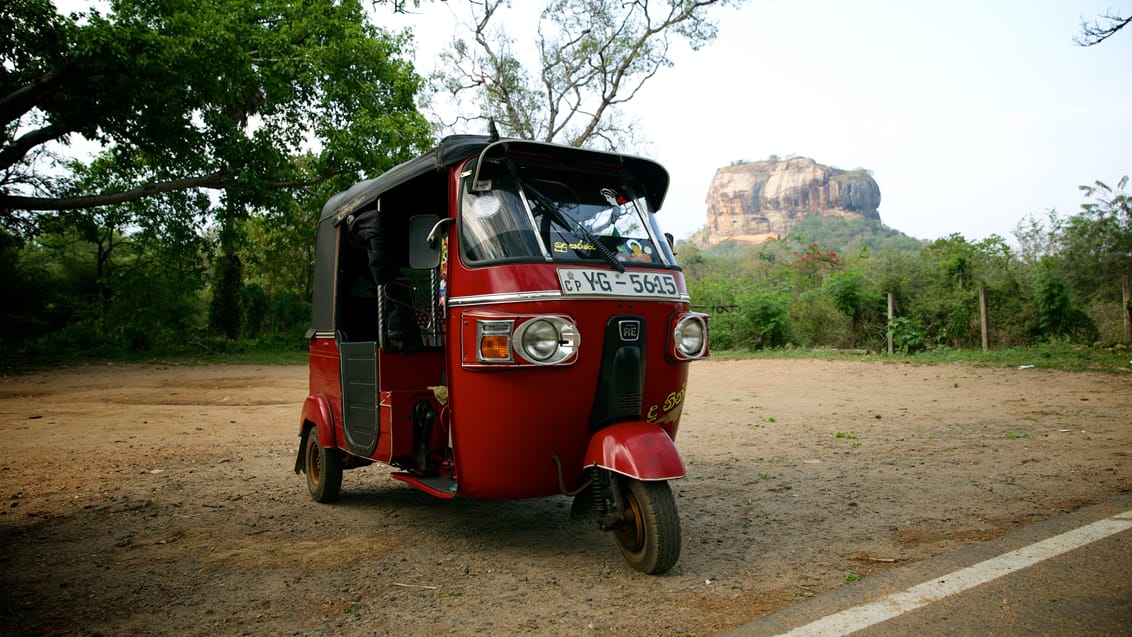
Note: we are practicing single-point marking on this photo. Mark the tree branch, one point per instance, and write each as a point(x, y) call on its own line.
point(20, 101)
point(217, 180)
point(221, 179)
point(1094, 33)
point(19, 148)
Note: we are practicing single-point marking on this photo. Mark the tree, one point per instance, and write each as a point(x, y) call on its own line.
point(847, 291)
point(1099, 30)
point(1098, 241)
point(1097, 249)
point(190, 94)
point(1058, 317)
point(594, 55)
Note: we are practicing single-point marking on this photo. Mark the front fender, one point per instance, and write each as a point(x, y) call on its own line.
point(317, 417)
point(637, 449)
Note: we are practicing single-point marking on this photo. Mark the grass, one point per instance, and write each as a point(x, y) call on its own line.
point(239, 354)
point(1057, 356)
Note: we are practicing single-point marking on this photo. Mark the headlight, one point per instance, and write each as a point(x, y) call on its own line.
point(547, 340)
point(689, 337)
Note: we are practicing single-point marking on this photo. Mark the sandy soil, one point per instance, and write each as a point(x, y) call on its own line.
point(161, 500)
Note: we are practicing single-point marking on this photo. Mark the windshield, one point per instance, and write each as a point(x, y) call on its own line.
point(528, 213)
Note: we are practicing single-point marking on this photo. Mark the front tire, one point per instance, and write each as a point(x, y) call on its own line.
point(323, 468)
point(649, 536)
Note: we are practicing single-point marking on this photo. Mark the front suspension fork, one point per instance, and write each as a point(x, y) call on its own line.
point(606, 505)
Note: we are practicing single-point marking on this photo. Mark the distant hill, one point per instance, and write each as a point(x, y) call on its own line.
point(850, 235)
point(841, 235)
point(752, 202)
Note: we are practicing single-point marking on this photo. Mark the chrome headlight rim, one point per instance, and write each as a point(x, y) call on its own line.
point(689, 337)
point(547, 340)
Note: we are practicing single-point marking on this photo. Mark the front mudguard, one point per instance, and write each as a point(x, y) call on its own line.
point(637, 449)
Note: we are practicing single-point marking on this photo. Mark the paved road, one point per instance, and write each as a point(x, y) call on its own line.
point(1068, 576)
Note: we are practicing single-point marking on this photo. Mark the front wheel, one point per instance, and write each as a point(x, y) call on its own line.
point(649, 536)
point(323, 467)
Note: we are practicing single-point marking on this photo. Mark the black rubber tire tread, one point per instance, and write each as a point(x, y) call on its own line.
point(650, 540)
point(323, 468)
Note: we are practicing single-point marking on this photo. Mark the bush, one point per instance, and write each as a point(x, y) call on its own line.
point(907, 335)
point(762, 320)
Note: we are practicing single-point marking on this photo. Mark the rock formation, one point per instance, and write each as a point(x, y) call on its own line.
point(752, 202)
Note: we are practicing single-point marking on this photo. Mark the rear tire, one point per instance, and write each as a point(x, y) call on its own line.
point(649, 537)
point(323, 467)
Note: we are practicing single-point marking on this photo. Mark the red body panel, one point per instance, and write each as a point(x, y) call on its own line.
point(323, 406)
point(515, 428)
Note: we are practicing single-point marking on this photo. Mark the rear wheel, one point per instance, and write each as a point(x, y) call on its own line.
point(649, 536)
point(323, 467)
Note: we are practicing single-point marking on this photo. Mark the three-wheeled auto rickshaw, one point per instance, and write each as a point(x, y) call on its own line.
point(501, 319)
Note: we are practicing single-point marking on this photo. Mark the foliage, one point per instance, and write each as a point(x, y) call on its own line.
point(907, 336)
point(1097, 243)
point(142, 80)
point(594, 55)
point(184, 97)
point(762, 319)
point(1063, 277)
point(1092, 252)
point(846, 289)
point(1057, 315)
point(138, 257)
point(856, 235)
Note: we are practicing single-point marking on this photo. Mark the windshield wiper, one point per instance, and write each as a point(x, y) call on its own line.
point(565, 220)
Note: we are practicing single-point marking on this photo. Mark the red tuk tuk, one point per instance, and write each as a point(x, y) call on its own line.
point(503, 319)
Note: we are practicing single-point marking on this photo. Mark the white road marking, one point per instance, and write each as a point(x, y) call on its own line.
point(859, 617)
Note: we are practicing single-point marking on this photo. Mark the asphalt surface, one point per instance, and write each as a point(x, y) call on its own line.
point(1069, 576)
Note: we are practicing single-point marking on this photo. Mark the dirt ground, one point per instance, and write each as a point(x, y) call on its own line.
point(161, 500)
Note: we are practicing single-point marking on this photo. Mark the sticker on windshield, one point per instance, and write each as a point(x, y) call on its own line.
point(594, 282)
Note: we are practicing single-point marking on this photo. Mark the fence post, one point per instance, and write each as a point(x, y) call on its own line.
point(1126, 296)
point(983, 316)
point(891, 312)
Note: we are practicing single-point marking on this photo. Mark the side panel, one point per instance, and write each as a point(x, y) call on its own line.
point(398, 438)
point(325, 385)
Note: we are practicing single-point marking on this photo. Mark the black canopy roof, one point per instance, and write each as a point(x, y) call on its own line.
point(457, 148)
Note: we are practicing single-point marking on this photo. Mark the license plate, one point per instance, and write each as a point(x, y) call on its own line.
point(592, 282)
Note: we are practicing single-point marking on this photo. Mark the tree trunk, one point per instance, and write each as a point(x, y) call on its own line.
point(224, 312)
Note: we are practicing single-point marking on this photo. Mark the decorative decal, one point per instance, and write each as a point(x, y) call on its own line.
point(563, 247)
point(671, 402)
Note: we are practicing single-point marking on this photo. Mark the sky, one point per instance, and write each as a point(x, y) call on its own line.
point(970, 115)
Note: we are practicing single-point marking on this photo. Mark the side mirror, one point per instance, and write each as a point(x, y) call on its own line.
point(424, 246)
